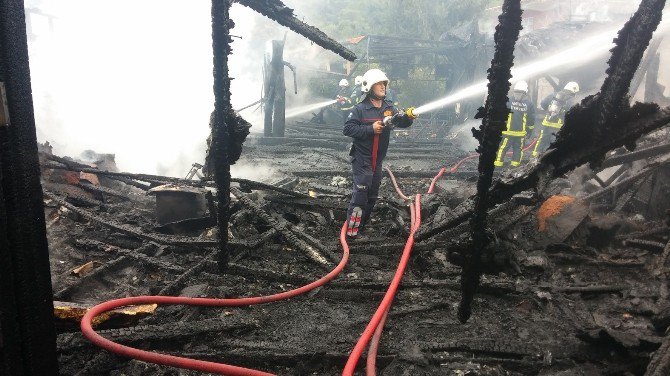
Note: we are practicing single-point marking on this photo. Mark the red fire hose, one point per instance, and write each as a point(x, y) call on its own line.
point(193, 364)
point(388, 297)
point(415, 214)
point(376, 324)
point(395, 185)
point(435, 179)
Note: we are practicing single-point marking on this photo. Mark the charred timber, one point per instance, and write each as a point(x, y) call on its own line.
point(631, 43)
point(489, 135)
point(64, 293)
point(27, 334)
point(157, 179)
point(220, 150)
point(161, 332)
point(175, 285)
point(283, 228)
point(660, 362)
point(626, 182)
point(276, 10)
point(645, 153)
point(131, 230)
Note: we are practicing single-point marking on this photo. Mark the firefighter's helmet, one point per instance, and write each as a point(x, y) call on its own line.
point(372, 77)
point(572, 87)
point(521, 86)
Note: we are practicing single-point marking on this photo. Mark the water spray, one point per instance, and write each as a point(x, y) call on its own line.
point(587, 50)
point(293, 112)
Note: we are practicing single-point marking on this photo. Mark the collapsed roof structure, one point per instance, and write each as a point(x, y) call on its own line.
point(561, 273)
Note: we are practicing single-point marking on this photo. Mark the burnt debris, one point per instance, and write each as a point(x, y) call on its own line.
point(564, 261)
point(489, 135)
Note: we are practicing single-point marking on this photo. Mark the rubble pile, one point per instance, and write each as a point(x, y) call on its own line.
point(593, 297)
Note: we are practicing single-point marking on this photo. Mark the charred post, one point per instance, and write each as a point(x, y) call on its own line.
point(28, 338)
point(489, 135)
point(276, 10)
point(220, 150)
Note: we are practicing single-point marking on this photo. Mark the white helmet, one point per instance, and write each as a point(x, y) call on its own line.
point(521, 86)
point(344, 82)
point(358, 80)
point(372, 77)
point(572, 87)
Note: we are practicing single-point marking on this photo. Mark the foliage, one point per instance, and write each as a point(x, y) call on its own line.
point(416, 19)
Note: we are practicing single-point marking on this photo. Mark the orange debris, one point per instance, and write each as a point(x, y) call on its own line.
point(553, 206)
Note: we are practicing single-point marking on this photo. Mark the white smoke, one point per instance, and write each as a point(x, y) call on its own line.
point(134, 78)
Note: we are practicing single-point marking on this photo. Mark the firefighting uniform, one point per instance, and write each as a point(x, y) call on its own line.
point(520, 120)
point(357, 96)
point(346, 103)
point(367, 154)
point(556, 105)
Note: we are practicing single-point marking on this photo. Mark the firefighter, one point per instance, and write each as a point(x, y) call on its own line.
point(556, 106)
point(357, 94)
point(365, 124)
point(343, 99)
point(520, 120)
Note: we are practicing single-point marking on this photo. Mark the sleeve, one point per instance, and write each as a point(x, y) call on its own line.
point(531, 115)
point(405, 122)
point(354, 128)
point(546, 101)
point(347, 104)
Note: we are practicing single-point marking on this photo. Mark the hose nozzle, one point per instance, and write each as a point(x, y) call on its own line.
point(410, 113)
point(401, 119)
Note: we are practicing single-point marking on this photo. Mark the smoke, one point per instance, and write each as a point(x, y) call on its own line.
point(255, 171)
point(134, 79)
point(462, 135)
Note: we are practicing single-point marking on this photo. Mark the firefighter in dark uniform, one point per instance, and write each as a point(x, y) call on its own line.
point(357, 94)
point(556, 106)
point(344, 100)
point(520, 121)
point(365, 124)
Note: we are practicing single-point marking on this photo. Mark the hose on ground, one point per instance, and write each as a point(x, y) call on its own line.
point(194, 364)
point(388, 297)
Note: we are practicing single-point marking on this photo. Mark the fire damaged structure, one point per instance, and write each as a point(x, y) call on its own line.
point(558, 267)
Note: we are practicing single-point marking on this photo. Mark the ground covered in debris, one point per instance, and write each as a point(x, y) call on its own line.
point(587, 295)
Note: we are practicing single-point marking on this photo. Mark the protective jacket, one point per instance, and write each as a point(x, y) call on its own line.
point(357, 95)
point(556, 106)
point(346, 104)
point(521, 118)
point(368, 149)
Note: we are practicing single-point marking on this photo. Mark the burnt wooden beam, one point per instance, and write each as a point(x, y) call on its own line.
point(284, 228)
point(645, 153)
point(495, 114)
point(27, 332)
point(660, 361)
point(277, 11)
point(221, 25)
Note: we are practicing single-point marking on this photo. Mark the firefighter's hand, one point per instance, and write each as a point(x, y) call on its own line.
point(377, 126)
point(340, 99)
